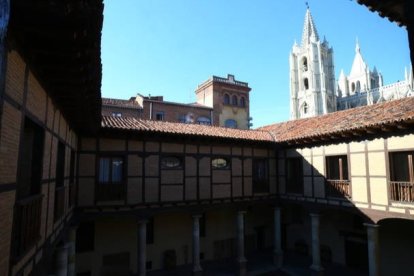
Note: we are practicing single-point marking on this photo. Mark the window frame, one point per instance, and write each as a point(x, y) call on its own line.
point(161, 114)
point(343, 171)
point(226, 167)
point(260, 184)
point(180, 166)
point(230, 120)
point(111, 157)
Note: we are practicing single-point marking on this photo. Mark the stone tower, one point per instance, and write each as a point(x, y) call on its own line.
point(312, 76)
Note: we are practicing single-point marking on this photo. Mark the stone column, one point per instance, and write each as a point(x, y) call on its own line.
point(142, 247)
point(72, 251)
point(373, 249)
point(277, 246)
point(197, 270)
point(61, 267)
point(316, 257)
point(241, 259)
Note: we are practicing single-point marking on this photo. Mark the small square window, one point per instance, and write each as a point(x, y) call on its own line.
point(159, 116)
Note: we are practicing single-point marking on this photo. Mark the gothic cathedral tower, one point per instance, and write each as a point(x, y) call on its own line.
point(312, 76)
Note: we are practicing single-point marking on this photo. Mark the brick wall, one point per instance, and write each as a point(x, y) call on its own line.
point(26, 98)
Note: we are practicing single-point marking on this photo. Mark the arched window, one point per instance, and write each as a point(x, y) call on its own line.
point(203, 120)
point(358, 86)
point(242, 102)
point(226, 99)
point(230, 123)
point(234, 100)
point(306, 83)
point(353, 87)
point(305, 64)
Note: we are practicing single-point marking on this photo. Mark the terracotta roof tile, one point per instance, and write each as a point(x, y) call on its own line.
point(360, 118)
point(133, 124)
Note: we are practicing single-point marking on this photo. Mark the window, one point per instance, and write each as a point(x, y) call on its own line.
point(60, 165)
point(85, 237)
point(220, 163)
point(111, 170)
point(171, 162)
point(116, 114)
point(305, 108)
point(150, 231)
point(337, 176)
point(337, 167)
point(72, 167)
point(234, 100)
point(353, 87)
point(202, 223)
point(402, 176)
point(306, 83)
point(242, 102)
point(294, 175)
point(305, 64)
point(159, 116)
point(230, 123)
point(358, 86)
point(260, 176)
point(226, 99)
point(28, 206)
point(203, 120)
point(111, 184)
point(60, 177)
point(31, 159)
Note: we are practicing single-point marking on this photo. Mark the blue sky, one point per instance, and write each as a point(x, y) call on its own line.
point(168, 47)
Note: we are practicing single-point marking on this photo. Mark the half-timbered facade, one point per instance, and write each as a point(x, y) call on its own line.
point(85, 195)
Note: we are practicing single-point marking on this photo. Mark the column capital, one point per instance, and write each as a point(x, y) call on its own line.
point(315, 215)
point(371, 225)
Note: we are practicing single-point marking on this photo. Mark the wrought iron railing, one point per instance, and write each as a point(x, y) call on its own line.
point(402, 191)
point(26, 231)
point(338, 188)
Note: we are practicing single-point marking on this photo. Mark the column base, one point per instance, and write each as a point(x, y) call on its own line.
point(278, 259)
point(242, 267)
point(317, 270)
point(197, 272)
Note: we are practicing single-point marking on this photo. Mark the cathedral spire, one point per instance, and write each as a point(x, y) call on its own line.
point(309, 29)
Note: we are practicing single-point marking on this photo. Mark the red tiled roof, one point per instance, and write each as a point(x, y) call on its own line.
point(133, 124)
point(371, 117)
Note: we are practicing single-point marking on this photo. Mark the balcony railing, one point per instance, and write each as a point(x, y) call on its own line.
point(27, 224)
point(402, 191)
point(59, 202)
point(337, 188)
point(110, 191)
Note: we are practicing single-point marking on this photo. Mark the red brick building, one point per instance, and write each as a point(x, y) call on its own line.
point(220, 102)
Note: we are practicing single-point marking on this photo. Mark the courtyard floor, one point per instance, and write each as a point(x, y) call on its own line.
point(260, 264)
